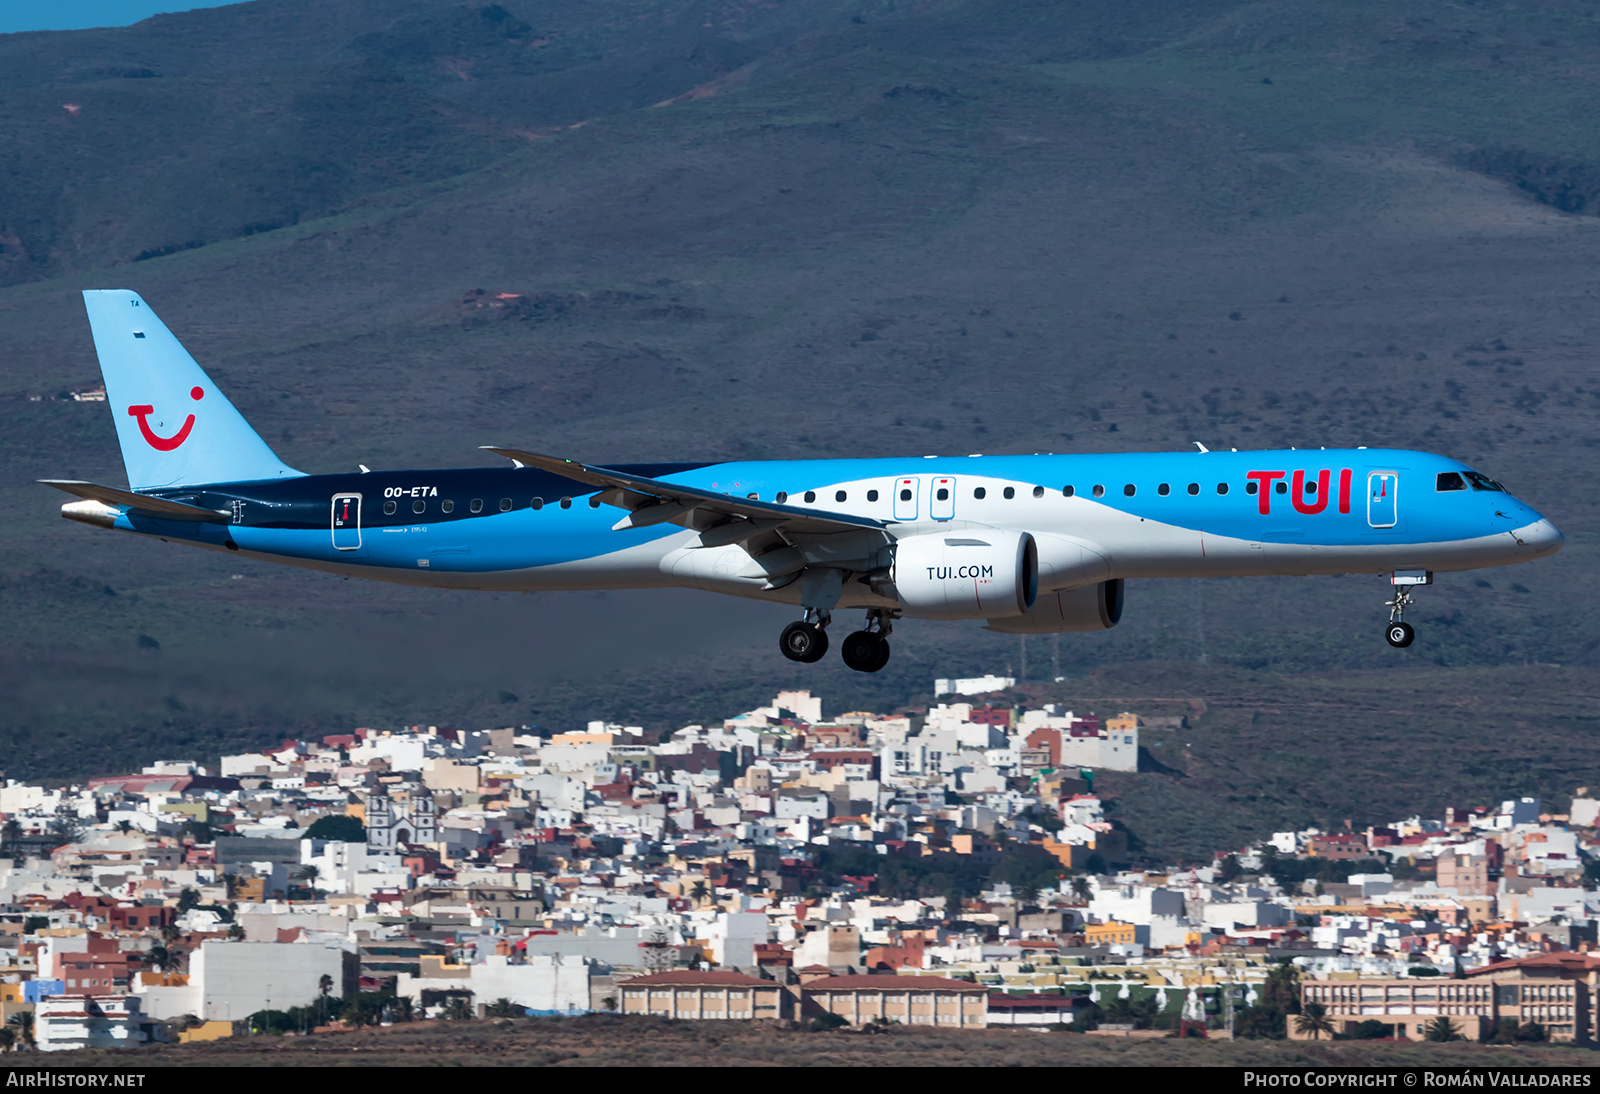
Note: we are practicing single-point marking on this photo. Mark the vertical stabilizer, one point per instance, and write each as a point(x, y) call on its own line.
point(174, 425)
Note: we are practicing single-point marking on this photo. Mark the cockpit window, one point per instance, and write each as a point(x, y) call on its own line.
point(1484, 482)
point(1450, 480)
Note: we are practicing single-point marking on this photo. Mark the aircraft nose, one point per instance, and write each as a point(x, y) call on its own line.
point(1540, 538)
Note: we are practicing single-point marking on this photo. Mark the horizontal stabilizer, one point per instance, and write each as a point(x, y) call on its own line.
point(140, 503)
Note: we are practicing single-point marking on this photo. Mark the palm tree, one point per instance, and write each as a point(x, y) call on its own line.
point(699, 891)
point(324, 987)
point(1313, 1020)
point(1441, 1029)
point(502, 1008)
point(457, 1009)
point(8, 1037)
point(24, 1024)
point(1081, 888)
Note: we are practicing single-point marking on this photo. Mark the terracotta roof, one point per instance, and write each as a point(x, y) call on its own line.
point(687, 979)
point(892, 983)
point(1577, 961)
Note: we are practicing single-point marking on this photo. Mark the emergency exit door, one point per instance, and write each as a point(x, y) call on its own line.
point(905, 499)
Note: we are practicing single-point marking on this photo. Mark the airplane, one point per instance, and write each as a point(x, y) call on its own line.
point(1035, 544)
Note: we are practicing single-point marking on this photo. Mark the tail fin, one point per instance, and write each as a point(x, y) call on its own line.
point(174, 425)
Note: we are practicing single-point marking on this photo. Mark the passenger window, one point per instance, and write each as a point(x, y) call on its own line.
point(1283, 487)
point(838, 495)
point(1099, 491)
point(1222, 488)
point(1038, 491)
point(1447, 480)
point(505, 504)
point(538, 503)
point(1311, 486)
point(783, 496)
point(905, 495)
point(811, 496)
point(980, 493)
point(418, 506)
point(1067, 491)
point(389, 508)
point(447, 505)
point(872, 495)
point(477, 505)
point(1129, 490)
point(1009, 492)
point(1163, 489)
point(1194, 489)
point(1251, 486)
point(944, 494)
point(566, 503)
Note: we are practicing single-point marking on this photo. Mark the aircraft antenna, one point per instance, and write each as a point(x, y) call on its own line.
point(1201, 447)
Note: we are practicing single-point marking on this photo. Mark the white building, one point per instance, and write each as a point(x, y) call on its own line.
point(973, 685)
point(64, 1022)
point(229, 981)
point(552, 983)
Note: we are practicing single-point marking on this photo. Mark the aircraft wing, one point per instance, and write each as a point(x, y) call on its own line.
point(143, 503)
point(652, 501)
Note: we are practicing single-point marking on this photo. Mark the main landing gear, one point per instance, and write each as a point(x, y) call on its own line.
point(1399, 633)
point(806, 640)
point(866, 650)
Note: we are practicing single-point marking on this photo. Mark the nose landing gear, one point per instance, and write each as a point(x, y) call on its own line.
point(1399, 633)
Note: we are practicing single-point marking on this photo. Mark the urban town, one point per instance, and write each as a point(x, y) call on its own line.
point(951, 866)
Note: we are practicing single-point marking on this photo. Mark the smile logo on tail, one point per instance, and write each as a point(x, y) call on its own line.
point(165, 444)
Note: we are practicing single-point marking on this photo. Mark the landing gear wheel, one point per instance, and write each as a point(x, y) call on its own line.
point(805, 642)
point(1400, 635)
point(883, 655)
point(865, 651)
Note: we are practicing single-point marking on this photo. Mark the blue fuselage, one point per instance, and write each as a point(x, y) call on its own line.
point(1142, 515)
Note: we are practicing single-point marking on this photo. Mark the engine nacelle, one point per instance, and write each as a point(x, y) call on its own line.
point(1096, 607)
point(971, 573)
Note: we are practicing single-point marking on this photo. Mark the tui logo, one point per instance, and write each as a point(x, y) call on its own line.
point(156, 441)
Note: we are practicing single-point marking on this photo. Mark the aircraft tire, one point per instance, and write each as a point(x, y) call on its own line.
point(804, 642)
point(1400, 635)
point(883, 654)
point(864, 651)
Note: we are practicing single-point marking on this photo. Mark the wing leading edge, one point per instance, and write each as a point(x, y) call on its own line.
point(732, 519)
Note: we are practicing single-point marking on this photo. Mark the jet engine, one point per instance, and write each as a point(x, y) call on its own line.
point(1096, 607)
point(970, 573)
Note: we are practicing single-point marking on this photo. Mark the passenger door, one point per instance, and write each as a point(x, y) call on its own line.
point(346, 520)
point(1382, 502)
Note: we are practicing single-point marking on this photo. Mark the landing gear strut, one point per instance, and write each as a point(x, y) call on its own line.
point(806, 640)
point(867, 650)
point(1399, 633)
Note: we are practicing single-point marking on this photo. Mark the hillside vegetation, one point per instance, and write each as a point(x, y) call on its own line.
point(765, 230)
